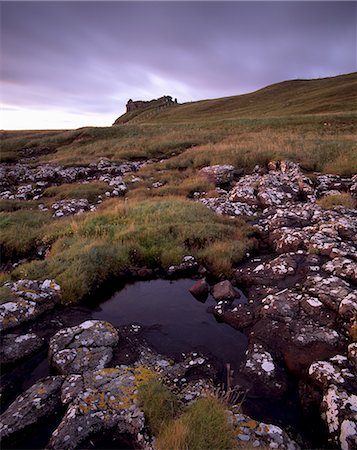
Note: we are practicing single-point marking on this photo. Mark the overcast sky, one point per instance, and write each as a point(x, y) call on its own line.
point(71, 64)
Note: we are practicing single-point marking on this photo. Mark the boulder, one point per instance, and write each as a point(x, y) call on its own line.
point(224, 291)
point(98, 401)
point(200, 289)
point(218, 174)
point(87, 346)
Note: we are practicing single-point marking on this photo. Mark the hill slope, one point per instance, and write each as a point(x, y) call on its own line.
point(320, 96)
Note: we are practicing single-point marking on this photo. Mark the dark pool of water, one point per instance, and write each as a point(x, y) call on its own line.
point(173, 320)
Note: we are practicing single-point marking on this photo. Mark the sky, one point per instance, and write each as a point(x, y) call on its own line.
point(73, 64)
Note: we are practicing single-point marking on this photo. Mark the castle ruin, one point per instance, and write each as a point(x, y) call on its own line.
point(166, 100)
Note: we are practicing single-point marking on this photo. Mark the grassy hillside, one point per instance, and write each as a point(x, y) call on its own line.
point(327, 95)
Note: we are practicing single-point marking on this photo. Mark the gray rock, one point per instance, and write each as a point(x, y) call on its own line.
point(97, 401)
point(87, 346)
point(39, 401)
point(33, 299)
point(250, 433)
point(15, 347)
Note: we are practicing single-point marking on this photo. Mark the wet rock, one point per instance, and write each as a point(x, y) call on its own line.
point(38, 402)
point(250, 433)
point(84, 347)
point(239, 317)
point(262, 375)
point(200, 289)
point(15, 347)
point(98, 401)
point(219, 174)
point(33, 298)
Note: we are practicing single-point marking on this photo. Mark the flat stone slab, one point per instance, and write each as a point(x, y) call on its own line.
point(87, 346)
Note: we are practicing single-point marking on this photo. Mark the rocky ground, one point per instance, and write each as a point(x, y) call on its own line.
point(301, 316)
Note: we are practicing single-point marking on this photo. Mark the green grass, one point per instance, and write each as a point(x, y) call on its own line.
point(21, 232)
point(329, 201)
point(158, 403)
point(90, 191)
point(202, 426)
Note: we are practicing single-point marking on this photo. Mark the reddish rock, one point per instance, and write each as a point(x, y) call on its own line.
point(200, 289)
point(224, 291)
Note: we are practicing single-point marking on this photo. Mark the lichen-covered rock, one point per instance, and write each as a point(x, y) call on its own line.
point(250, 433)
point(222, 205)
point(33, 298)
point(87, 346)
point(330, 290)
point(342, 267)
point(224, 291)
point(71, 207)
point(15, 347)
point(38, 402)
point(262, 375)
point(219, 174)
point(337, 378)
point(101, 400)
point(339, 410)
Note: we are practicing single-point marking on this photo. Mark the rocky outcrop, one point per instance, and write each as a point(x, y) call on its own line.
point(85, 347)
point(24, 182)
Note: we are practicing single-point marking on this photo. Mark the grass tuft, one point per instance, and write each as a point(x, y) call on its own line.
point(329, 201)
point(159, 404)
point(202, 426)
